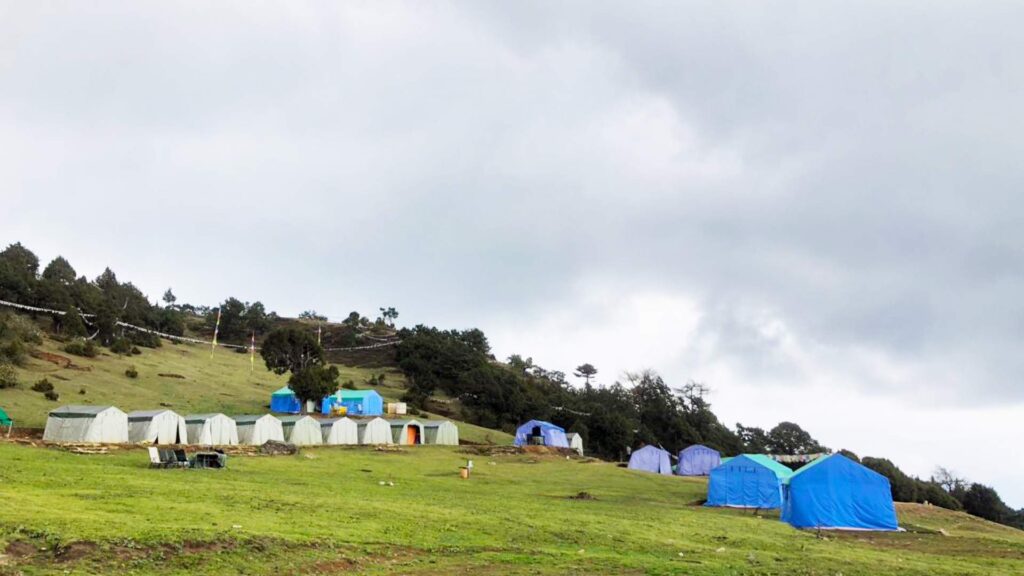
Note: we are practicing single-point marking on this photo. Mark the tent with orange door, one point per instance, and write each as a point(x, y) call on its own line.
point(407, 432)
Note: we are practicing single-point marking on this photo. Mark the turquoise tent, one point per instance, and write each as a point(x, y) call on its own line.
point(356, 402)
point(284, 401)
point(834, 492)
point(747, 481)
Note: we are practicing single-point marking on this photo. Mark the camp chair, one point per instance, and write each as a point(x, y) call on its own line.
point(180, 459)
point(154, 458)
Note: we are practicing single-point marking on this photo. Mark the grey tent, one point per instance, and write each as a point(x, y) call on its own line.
point(442, 432)
point(211, 430)
point(340, 431)
point(86, 424)
point(575, 442)
point(301, 430)
point(374, 431)
point(156, 427)
point(257, 430)
point(406, 432)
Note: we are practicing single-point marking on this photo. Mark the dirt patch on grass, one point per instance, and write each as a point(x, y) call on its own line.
point(62, 361)
point(20, 549)
point(74, 551)
point(339, 566)
point(171, 375)
point(583, 496)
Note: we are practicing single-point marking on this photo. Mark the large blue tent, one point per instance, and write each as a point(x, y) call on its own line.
point(835, 492)
point(284, 401)
point(651, 459)
point(747, 481)
point(698, 460)
point(541, 432)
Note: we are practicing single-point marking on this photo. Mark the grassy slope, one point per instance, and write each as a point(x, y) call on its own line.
point(222, 383)
point(325, 510)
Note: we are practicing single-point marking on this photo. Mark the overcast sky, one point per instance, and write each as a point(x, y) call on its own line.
point(815, 209)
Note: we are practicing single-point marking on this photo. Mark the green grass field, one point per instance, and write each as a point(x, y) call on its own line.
point(222, 382)
point(325, 511)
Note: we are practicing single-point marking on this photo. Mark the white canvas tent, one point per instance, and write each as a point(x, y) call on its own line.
point(406, 432)
point(301, 430)
point(257, 430)
point(157, 427)
point(211, 430)
point(440, 432)
point(340, 431)
point(575, 442)
point(86, 424)
point(375, 431)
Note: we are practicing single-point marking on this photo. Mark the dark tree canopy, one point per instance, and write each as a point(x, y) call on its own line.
point(585, 371)
point(790, 438)
point(59, 270)
point(291, 350)
point(313, 383)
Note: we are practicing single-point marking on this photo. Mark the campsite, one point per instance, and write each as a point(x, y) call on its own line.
point(511, 288)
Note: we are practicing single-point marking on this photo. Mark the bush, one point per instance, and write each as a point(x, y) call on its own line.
point(131, 372)
point(80, 347)
point(13, 351)
point(52, 396)
point(349, 385)
point(145, 339)
point(414, 411)
point(82, 390)
point(16, 325)
point(8, 376)
point(43, 385)
point(136, 351)
point(121, 346)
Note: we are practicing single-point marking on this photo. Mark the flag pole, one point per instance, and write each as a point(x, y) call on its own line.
point(216, 328)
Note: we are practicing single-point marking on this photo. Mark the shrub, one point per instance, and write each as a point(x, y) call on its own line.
point(82, 390)
point(80, 347)
point(145, 339)
point(52, 396)
point(136, 351)
point(13, 351)
point(131, 372)
point(43, 385)
point(414, 411)
point(380, 378)
point(121, 346)
point(349, 385)
point(8, 376)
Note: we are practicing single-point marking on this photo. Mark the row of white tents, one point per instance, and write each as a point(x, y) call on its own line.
point(108, 424)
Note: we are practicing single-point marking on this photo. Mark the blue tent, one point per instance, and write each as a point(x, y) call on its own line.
point(541, 432)
point(651, 459)
point(748, 481)
point(285, 401)
point(698, 460)
point(838, 493)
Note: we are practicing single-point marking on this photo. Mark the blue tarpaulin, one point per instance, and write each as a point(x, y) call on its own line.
point(548, 433)
point(747, 481)
point(651, 459)
point(284, 401)
point(836, 492)
point(698, 460)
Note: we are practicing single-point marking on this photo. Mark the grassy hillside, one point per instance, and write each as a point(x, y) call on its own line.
point(193, 382)
point(325, 511)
